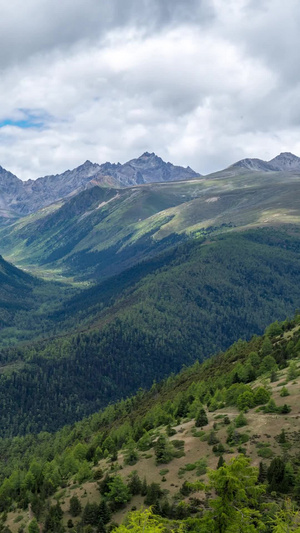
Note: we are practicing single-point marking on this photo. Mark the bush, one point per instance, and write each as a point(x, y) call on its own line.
point(240, 421)
point(261, 396)
point(284, 392)
point(212, 439)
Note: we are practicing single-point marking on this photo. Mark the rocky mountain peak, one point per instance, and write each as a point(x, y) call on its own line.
point(286, 161)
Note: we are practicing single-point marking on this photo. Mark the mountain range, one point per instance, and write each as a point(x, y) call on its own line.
point(18, 198)
point(104, 229)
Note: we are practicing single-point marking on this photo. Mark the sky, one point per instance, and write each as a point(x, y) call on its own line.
point(202, 83)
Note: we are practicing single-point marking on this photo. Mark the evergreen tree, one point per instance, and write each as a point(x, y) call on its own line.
point(118, 492)
point(154, 492)
point(53, 520)
point(134, 483)
point(104, 512)
point(240, 420)
point(282, 437)
point(262, 472)
point(236, 487)
point(130, 454)
point(212, 439)
point(75, 506)
point(201, 418)
point(144, 487)
point(90, 514)
point(162, 450)
point(221, 462)
point(275, 474)
point(33, 526)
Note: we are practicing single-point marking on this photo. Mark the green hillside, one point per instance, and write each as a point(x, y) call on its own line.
point(103, 231)
point(25, 303)
point(164, 448)
point(149, 321)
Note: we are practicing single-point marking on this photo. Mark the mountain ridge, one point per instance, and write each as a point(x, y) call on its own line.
point(286, 161)
point(19, 198)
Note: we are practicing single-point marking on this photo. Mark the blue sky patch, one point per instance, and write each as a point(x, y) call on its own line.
point(28, 119)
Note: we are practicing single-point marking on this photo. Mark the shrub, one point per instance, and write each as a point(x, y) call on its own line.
point(284, 392)
point(240, 421)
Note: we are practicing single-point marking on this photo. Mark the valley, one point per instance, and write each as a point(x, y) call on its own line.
point(119, 284)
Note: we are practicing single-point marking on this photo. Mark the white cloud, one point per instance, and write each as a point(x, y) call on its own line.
point(199, 83)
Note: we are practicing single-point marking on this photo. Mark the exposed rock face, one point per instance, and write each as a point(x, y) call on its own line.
point(148, 168)
point(23, 197)
point(283, 162)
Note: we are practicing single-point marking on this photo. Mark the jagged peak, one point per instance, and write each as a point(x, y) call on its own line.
point(88, 164)
point(147, 154)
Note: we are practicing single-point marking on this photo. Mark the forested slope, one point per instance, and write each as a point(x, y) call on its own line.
point(157, 447)
point(198, 302)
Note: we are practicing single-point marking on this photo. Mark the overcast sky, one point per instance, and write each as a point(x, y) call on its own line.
point(200, 82)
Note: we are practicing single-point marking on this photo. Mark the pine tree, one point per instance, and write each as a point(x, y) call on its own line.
point(104, 512)
point(221, 462)
point(144, 487)
point(75, 506)
point(262, 472)
point(282, 437)
point(162, 450)
point(275, 474)
point(134, 484)
point(201, 418)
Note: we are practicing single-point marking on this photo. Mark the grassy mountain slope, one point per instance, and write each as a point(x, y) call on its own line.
point(102, 231)
point(261, 377)
point(198, 301)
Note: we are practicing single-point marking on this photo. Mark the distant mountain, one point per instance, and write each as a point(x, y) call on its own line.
point(283, 162)
point(148, 168)
point(19, 198)
point(103, 230)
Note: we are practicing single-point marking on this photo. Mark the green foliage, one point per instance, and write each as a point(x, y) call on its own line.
point(33, 526)
point(75, 506)
point(245, 400)
point(130, 453)
point(118, 492)
point(134, 483)
point(135, 317)
point(284, 392)
point(292, 372)
point(53, 519)
point(261, 396)
point(163, 450)
point(142, 521)
point(275, 475)
point(240, 421)
point(268, 363)
point(237, 489)
point(221, 462)
point(36, 466)
point(201, 418)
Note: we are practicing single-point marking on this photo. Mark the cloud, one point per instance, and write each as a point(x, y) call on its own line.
point(201, 83)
